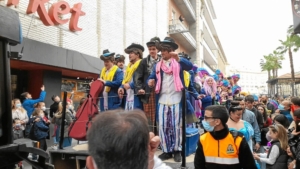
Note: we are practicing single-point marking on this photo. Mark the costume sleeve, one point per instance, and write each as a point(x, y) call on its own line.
point(207, 98)
point(185, 64)
point(117, 80)
point(192, 90)
point(245, 156)
point(139, 76)
point(40, 99)
point(274, 154)
point(153, 74)
point(256, 129)
point(199, 160)
point(40, 125)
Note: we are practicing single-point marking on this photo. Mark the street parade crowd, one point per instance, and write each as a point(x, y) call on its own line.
point(241, 130)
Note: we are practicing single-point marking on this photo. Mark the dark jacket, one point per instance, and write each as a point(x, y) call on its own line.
point(259, 117)
point(140, 79)
point(53, 108)
point(245, 155)
point(281, 161)
point(39, 129)
point(114, 102)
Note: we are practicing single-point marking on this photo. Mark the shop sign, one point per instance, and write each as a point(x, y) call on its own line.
point(53, 16)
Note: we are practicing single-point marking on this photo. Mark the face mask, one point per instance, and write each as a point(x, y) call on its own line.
point(70, 107)
point(43, 108)
point(18, 105)
point(207, 126)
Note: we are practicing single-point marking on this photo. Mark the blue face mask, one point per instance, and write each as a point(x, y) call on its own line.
point(18, 105)
point(207, 126)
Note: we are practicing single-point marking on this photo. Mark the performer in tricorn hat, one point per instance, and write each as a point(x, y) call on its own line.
point(135, 52)
point(146, 94)
point(112, 78)
point(168, 75)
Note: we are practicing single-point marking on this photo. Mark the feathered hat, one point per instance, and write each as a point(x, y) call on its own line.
point(107, 55)
point(236, 76)
point(119, 58)
point(168, 42)
point(153, 41)
point(218, 72)
point(202, 72)
point(133, 47)
point(225, 83)
point(236, 89)
point(195, 68)
point(216, 77)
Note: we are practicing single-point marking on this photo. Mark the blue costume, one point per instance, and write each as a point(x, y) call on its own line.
point(113, 100)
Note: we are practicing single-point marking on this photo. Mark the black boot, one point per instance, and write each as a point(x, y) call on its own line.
point(177, 156)
point(165, 156)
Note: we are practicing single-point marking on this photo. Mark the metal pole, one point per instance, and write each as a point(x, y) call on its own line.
point(62, 126)
point(5, 97)
point(183, 164)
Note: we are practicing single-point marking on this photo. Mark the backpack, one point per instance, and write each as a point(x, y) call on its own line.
point(88, 110)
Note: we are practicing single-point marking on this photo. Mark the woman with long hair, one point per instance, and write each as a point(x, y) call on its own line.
point(210, 93)
point(277, 157)
point(18, 112)
point(57, 120)
point(236, 123)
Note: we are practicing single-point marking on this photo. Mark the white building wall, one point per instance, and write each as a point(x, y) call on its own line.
point(108, 24)
point(111, 26)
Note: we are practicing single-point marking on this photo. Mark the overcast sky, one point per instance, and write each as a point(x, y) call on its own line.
point(250, 29)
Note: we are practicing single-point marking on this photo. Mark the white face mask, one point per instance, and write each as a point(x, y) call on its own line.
point(43, 108)
point(70, 107)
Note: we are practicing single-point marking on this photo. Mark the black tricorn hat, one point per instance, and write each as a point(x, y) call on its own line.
point(119, 58)
point(153, 41)
point(107, 55)
point(137, 47)
point(170, 42)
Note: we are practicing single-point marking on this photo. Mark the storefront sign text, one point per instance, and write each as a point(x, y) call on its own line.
point(55, 13)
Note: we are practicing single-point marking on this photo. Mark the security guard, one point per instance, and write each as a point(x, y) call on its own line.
point(218, 148)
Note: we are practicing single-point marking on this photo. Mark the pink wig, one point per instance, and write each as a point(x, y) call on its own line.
point(209, 90)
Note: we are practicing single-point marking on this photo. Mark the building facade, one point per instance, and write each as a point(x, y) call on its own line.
point(191, 24)
point(64, 60)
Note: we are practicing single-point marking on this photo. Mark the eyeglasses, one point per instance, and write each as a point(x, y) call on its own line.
point(207, 118)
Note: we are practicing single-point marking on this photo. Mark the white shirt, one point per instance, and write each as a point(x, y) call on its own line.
point(105, 94)
point(274, 154)
point(168, 94)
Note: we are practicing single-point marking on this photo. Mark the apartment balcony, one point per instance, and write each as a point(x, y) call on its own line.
point(181, 35)
point(209, 56)
point(209, 37)
point(186, 9)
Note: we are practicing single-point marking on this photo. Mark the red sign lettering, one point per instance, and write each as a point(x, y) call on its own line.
point(58, 9)
point(53, 17)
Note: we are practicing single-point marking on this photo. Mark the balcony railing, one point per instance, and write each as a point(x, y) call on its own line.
point(178, 27)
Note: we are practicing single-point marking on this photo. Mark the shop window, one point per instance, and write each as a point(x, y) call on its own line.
point(80, 88)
